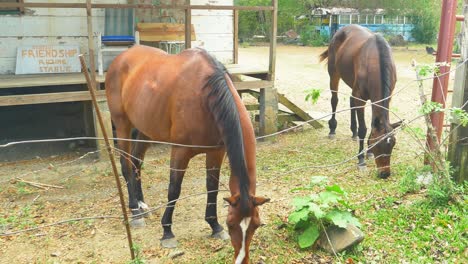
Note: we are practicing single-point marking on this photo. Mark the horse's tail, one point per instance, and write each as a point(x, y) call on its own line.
point(223, 107)
point(323, 56)
point(386, 68)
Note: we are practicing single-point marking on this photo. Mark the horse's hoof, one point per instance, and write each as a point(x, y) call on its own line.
point(370, 155)
point(362, 167)
point(137, 223)
point(223, 235)
point(331, 136)
point(169, 242)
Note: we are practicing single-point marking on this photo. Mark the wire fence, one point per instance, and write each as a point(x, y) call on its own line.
point(159, 166)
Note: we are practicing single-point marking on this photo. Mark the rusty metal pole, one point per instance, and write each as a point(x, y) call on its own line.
point(444, 54)
point(91, 89)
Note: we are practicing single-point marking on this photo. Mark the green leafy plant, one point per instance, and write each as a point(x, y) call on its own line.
point(442, 188)
point(430, 107)
point(313, 95)
point(138, 259)
point(315, 212)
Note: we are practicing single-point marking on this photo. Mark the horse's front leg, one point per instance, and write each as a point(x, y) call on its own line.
point(353, 126)
point(213, 165)
point(179, 161)
point(362, 131)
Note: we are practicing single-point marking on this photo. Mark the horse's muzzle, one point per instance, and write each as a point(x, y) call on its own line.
point(384, 174)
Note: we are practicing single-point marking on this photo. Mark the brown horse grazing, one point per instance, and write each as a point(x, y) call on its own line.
point(186, 99)
point(364, 61)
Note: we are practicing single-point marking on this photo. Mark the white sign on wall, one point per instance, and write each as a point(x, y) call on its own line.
point(47, 59)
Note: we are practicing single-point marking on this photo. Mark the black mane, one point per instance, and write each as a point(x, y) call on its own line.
point(223, 107)
point(385, 70)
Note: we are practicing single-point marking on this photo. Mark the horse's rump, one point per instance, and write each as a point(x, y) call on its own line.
point(162, 95)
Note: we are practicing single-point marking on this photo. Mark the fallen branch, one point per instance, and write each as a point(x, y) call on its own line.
point(39, 185)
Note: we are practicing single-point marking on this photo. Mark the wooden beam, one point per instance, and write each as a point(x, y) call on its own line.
point(188, 24)
point(19, 81)
point(92, 65)
point(139, 6)
point(248, 85)
point(252, 107)
point(273, 33)
point(164, 31)
point(47, 98)
point(284, 118)
point(298, 111)
point(235, 51)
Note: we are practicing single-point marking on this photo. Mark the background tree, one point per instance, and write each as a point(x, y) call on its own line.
point(424, 14)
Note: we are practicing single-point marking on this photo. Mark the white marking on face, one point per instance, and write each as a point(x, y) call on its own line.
point(388, 140)
point(244, 224)
point(142, 205)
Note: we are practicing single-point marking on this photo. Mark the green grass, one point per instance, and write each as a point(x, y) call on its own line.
point(398, 221)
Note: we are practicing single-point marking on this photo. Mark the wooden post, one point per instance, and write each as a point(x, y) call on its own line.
point(92, 67)
point(274, 27)
point(92, 91)
point(188, 26)
point(268, 96)
point(235, 26)
point(458, 148)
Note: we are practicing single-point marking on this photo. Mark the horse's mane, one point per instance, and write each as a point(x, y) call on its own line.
point(223, 107)
point(385, 69)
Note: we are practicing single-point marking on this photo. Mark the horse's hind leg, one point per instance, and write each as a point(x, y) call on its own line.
point(138, 155)
point(123, 128)
point(179, 160)
point(213, 165)
point(332, 124)
point(353, 119)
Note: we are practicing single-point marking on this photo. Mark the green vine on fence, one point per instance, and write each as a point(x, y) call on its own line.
point(442, 188)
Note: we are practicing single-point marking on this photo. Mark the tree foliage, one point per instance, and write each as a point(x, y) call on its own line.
point(424, 14)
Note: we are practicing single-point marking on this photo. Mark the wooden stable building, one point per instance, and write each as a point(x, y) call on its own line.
point(44, 95)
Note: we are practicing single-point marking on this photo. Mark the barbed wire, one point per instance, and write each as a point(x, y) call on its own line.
point(260, 183)
point(136, 216)
point(376, 103)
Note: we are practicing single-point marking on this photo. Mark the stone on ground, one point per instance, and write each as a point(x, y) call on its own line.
point(340, 238)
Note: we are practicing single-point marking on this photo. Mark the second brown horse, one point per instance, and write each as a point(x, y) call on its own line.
point(186, 99)
point(363, 60)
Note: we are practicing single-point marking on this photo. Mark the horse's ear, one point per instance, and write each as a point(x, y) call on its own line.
point(258, 200)
point(233, 200)
point(397, 124)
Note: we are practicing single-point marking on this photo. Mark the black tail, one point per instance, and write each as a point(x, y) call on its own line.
point(385, 68)
point(223, 107)
point(323, 56)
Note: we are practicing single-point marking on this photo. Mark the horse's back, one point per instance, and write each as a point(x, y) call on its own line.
point(351, 53)
point(159, 93)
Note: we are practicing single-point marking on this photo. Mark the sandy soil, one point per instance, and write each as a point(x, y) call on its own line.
point(89, 188)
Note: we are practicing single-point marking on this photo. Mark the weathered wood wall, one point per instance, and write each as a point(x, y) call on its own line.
point(59, 26)
point(45, 26)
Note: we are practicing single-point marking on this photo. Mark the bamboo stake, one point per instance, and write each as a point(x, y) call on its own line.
point(109, 150)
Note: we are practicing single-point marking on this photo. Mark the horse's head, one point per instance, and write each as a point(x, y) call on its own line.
point(242, 226)
point(383, 140)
